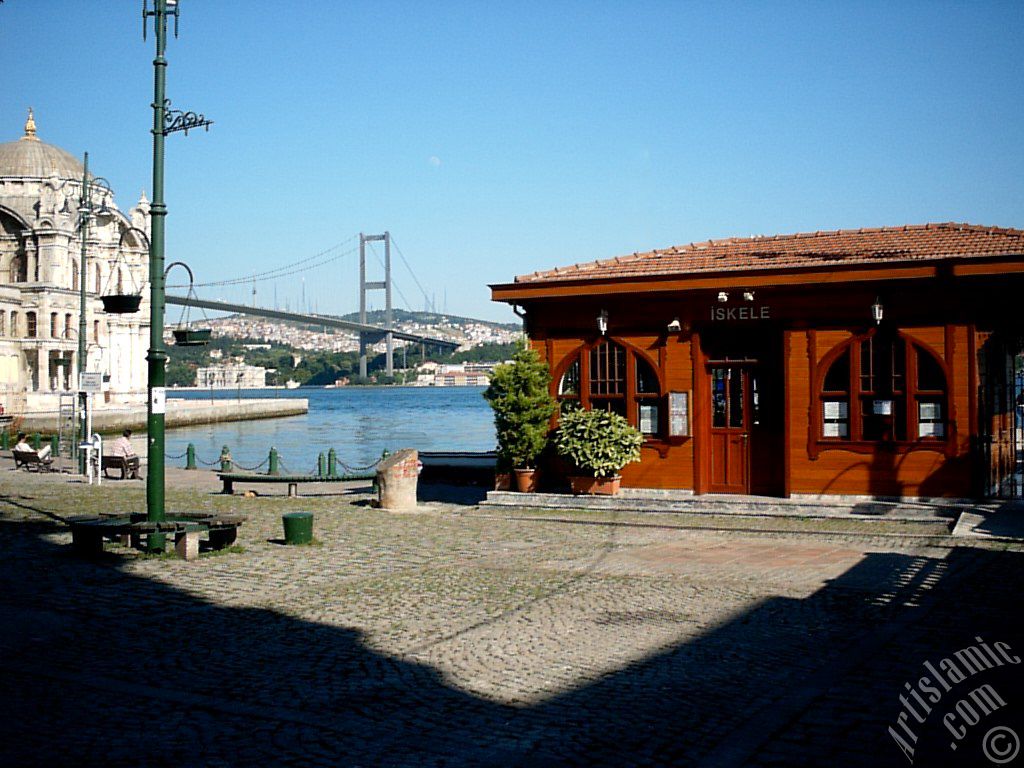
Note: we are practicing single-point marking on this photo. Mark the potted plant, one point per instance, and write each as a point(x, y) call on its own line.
point(523, 406)
point(599, 444)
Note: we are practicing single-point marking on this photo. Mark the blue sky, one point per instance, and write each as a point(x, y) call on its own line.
point(494, 140)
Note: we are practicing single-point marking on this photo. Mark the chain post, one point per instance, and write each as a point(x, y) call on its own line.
point(225, 459)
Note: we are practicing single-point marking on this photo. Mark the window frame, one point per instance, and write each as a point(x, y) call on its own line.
point(909, 396)
point(630, 397)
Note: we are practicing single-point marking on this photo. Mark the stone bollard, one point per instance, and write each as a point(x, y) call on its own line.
point(396, 480)
point(190, 457)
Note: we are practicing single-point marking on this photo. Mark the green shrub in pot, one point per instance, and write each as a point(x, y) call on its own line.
point(523, 406)
point(597, 442)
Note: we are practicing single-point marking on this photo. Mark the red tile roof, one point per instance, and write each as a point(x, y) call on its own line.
point(882, 245)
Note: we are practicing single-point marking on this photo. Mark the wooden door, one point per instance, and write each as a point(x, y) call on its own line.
point(730, 429)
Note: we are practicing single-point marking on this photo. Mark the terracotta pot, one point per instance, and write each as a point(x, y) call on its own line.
point(595, 486)
point(503, 481)
point(526, 480)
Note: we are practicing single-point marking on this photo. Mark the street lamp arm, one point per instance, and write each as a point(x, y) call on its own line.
point(173, 264)
point(99, 183)
point(126, 230)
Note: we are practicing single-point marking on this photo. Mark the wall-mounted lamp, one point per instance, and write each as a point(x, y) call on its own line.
point(723, 296)
point(748, 295)
point(877, 310)
point(675, 326)
point(602, 321)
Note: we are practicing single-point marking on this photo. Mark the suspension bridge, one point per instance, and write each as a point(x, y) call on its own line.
point(368, 333)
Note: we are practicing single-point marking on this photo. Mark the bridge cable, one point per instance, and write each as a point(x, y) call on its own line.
point(415, 279)
point(285, 270)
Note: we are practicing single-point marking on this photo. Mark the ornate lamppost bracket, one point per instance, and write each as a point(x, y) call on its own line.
point(176, 120)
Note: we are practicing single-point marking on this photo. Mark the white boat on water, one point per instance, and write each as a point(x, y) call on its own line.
point(291, 384)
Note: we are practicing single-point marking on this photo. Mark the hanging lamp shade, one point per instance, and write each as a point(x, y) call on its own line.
point(187, 334)
point(116, 300)
point(121, 303)
point(191, 337)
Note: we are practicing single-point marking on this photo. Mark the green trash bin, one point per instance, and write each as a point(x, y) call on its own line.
point(298, 527)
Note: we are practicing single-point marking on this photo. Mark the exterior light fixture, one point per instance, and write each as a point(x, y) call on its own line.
point(877, 310)
point(602, 321)
point(723, 297)
point(675, 326)
point(748, 295)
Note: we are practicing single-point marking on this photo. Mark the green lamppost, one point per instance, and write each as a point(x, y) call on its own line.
point(165, 121)
point(86, 210)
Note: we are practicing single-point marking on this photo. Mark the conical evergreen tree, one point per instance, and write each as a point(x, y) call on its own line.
point(523, 407)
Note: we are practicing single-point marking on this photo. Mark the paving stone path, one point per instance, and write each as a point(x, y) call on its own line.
point(449, 637)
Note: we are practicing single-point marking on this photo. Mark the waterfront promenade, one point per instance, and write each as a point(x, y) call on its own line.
point(180, 413)
point(465, 636)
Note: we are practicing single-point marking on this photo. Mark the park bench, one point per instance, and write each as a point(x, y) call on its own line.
point(29, 460)
point(88, 532)
point(129, 466)
point(230, 478)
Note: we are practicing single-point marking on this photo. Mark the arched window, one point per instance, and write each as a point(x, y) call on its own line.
point(120, 281)
point(19, 268)
point(74, 275)
point(98, 284)
point(54, 326)
point(30, 325)
point(614, 378)
point(882, 387)
point(568, 392)
point(3, 323)
point(607, 381)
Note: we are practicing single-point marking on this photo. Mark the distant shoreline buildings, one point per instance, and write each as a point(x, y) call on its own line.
point(231, 376)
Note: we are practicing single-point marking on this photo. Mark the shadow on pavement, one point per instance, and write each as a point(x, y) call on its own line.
point(100, 667)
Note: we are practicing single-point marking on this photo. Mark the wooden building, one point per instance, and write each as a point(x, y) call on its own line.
point(859, 362)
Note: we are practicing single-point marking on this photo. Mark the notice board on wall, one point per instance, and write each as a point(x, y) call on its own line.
point(679, 414)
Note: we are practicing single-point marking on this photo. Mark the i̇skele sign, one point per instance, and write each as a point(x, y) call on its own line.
point(741, 313)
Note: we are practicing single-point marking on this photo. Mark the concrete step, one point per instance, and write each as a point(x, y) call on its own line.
point(645, 500)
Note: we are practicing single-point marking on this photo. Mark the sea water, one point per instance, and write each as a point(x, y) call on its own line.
point(358, 422)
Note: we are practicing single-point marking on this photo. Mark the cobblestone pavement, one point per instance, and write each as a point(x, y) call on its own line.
point(454, 637)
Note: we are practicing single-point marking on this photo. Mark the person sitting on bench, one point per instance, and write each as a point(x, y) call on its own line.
point(22, 446)
point(122, 447)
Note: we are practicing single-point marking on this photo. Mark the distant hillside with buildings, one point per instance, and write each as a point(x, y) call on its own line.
point(250, 352)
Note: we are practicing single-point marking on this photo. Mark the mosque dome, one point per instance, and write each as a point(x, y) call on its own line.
point(28, 156)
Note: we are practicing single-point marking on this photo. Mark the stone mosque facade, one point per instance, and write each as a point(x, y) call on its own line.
point(40, 253)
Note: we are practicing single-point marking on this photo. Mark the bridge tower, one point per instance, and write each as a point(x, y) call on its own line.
point(365, 338)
